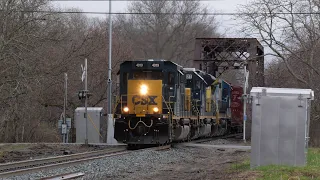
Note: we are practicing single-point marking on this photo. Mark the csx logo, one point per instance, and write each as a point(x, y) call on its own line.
point(150, 100)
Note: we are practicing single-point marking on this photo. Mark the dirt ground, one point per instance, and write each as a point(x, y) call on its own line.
point(200, 163)
point(200, 166)
point(18, 152)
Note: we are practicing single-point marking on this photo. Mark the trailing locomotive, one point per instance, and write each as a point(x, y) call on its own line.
point(161, 102)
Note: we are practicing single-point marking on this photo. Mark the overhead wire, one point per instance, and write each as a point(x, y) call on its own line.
point(150, 13)
point(126, 0)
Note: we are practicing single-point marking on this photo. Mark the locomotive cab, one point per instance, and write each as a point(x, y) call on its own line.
point(199, 84)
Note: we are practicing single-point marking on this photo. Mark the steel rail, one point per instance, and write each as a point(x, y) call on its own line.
point(64, 176)
point(215, 138)
point(160, 148)
point(56, 165)
point(42, 161)
point(23, 167)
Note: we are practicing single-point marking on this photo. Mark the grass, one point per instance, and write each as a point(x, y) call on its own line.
point(13, 147)
point(4, 149)
point(274, 172)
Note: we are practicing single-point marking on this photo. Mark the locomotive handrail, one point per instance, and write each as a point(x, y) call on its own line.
point(165, 102)
point(138, 123)
point(170, 117)
point(116, 104)
point(195, 109)
point(171, 102)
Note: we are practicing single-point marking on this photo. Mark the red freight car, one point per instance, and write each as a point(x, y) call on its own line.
point(236, 108)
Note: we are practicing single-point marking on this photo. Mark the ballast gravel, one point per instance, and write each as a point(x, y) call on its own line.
point(227, 141)
point(114, 166)
point(149, 164)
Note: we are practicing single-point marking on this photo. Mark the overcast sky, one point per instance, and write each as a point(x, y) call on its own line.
point(228, 26)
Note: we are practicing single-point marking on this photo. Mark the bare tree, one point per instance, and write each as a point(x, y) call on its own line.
point(35, 50)
point(169, 32)
point(291, 29)
point(289, 35)
point(18, 40)
point(84, 38)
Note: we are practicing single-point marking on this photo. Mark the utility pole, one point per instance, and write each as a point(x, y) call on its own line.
point(110, 60)
point(86, 97)
point(109, 109)
point(64, 107)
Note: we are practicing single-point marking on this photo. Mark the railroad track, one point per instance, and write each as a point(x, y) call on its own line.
point(64, 176)
point(215, 138)
point(29, 166)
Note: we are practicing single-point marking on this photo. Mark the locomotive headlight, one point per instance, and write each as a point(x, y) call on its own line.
point(143, 89)
point(155, 109)
point(126, 109)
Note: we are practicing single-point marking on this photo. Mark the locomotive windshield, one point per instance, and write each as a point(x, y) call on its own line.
point(151, 75)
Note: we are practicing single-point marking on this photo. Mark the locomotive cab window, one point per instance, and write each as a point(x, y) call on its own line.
point(182, 79)
point(170, 78)
point(189, 83)
point(148, 75)
point(225, 93)
point(198, 85)
point(125, 76)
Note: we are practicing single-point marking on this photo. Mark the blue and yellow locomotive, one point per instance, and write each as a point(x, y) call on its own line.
point(162, 102)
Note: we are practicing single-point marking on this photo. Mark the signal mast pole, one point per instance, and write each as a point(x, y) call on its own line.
point(246, 76)
point(86, 98)
point(65, 140)
point(109, 109)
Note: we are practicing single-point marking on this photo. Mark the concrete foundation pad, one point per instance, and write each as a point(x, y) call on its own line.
point(110, 131)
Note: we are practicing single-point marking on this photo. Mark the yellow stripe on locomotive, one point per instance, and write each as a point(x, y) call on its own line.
point(208, 99)
point(144, 97)
point(187, 100)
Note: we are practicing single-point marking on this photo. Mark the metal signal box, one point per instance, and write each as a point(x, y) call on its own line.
point(280, 126)
point(96, 125)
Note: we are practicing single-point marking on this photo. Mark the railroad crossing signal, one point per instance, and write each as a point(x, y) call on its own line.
point(83, 93)
point(83, 76)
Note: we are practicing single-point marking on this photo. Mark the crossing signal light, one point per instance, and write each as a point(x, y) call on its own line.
point(82, 95)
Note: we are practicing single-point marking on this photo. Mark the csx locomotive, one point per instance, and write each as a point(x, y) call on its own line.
point(161, 102)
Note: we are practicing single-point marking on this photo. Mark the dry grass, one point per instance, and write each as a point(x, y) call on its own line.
point(310, 171)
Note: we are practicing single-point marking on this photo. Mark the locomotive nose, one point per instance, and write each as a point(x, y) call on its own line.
point(140, 130)
point(144, 97)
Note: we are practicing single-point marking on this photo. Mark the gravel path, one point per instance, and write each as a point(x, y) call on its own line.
point(177, 163)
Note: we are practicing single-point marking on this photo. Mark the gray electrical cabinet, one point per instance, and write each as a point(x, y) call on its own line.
point(96, 125)
point(280, 126)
